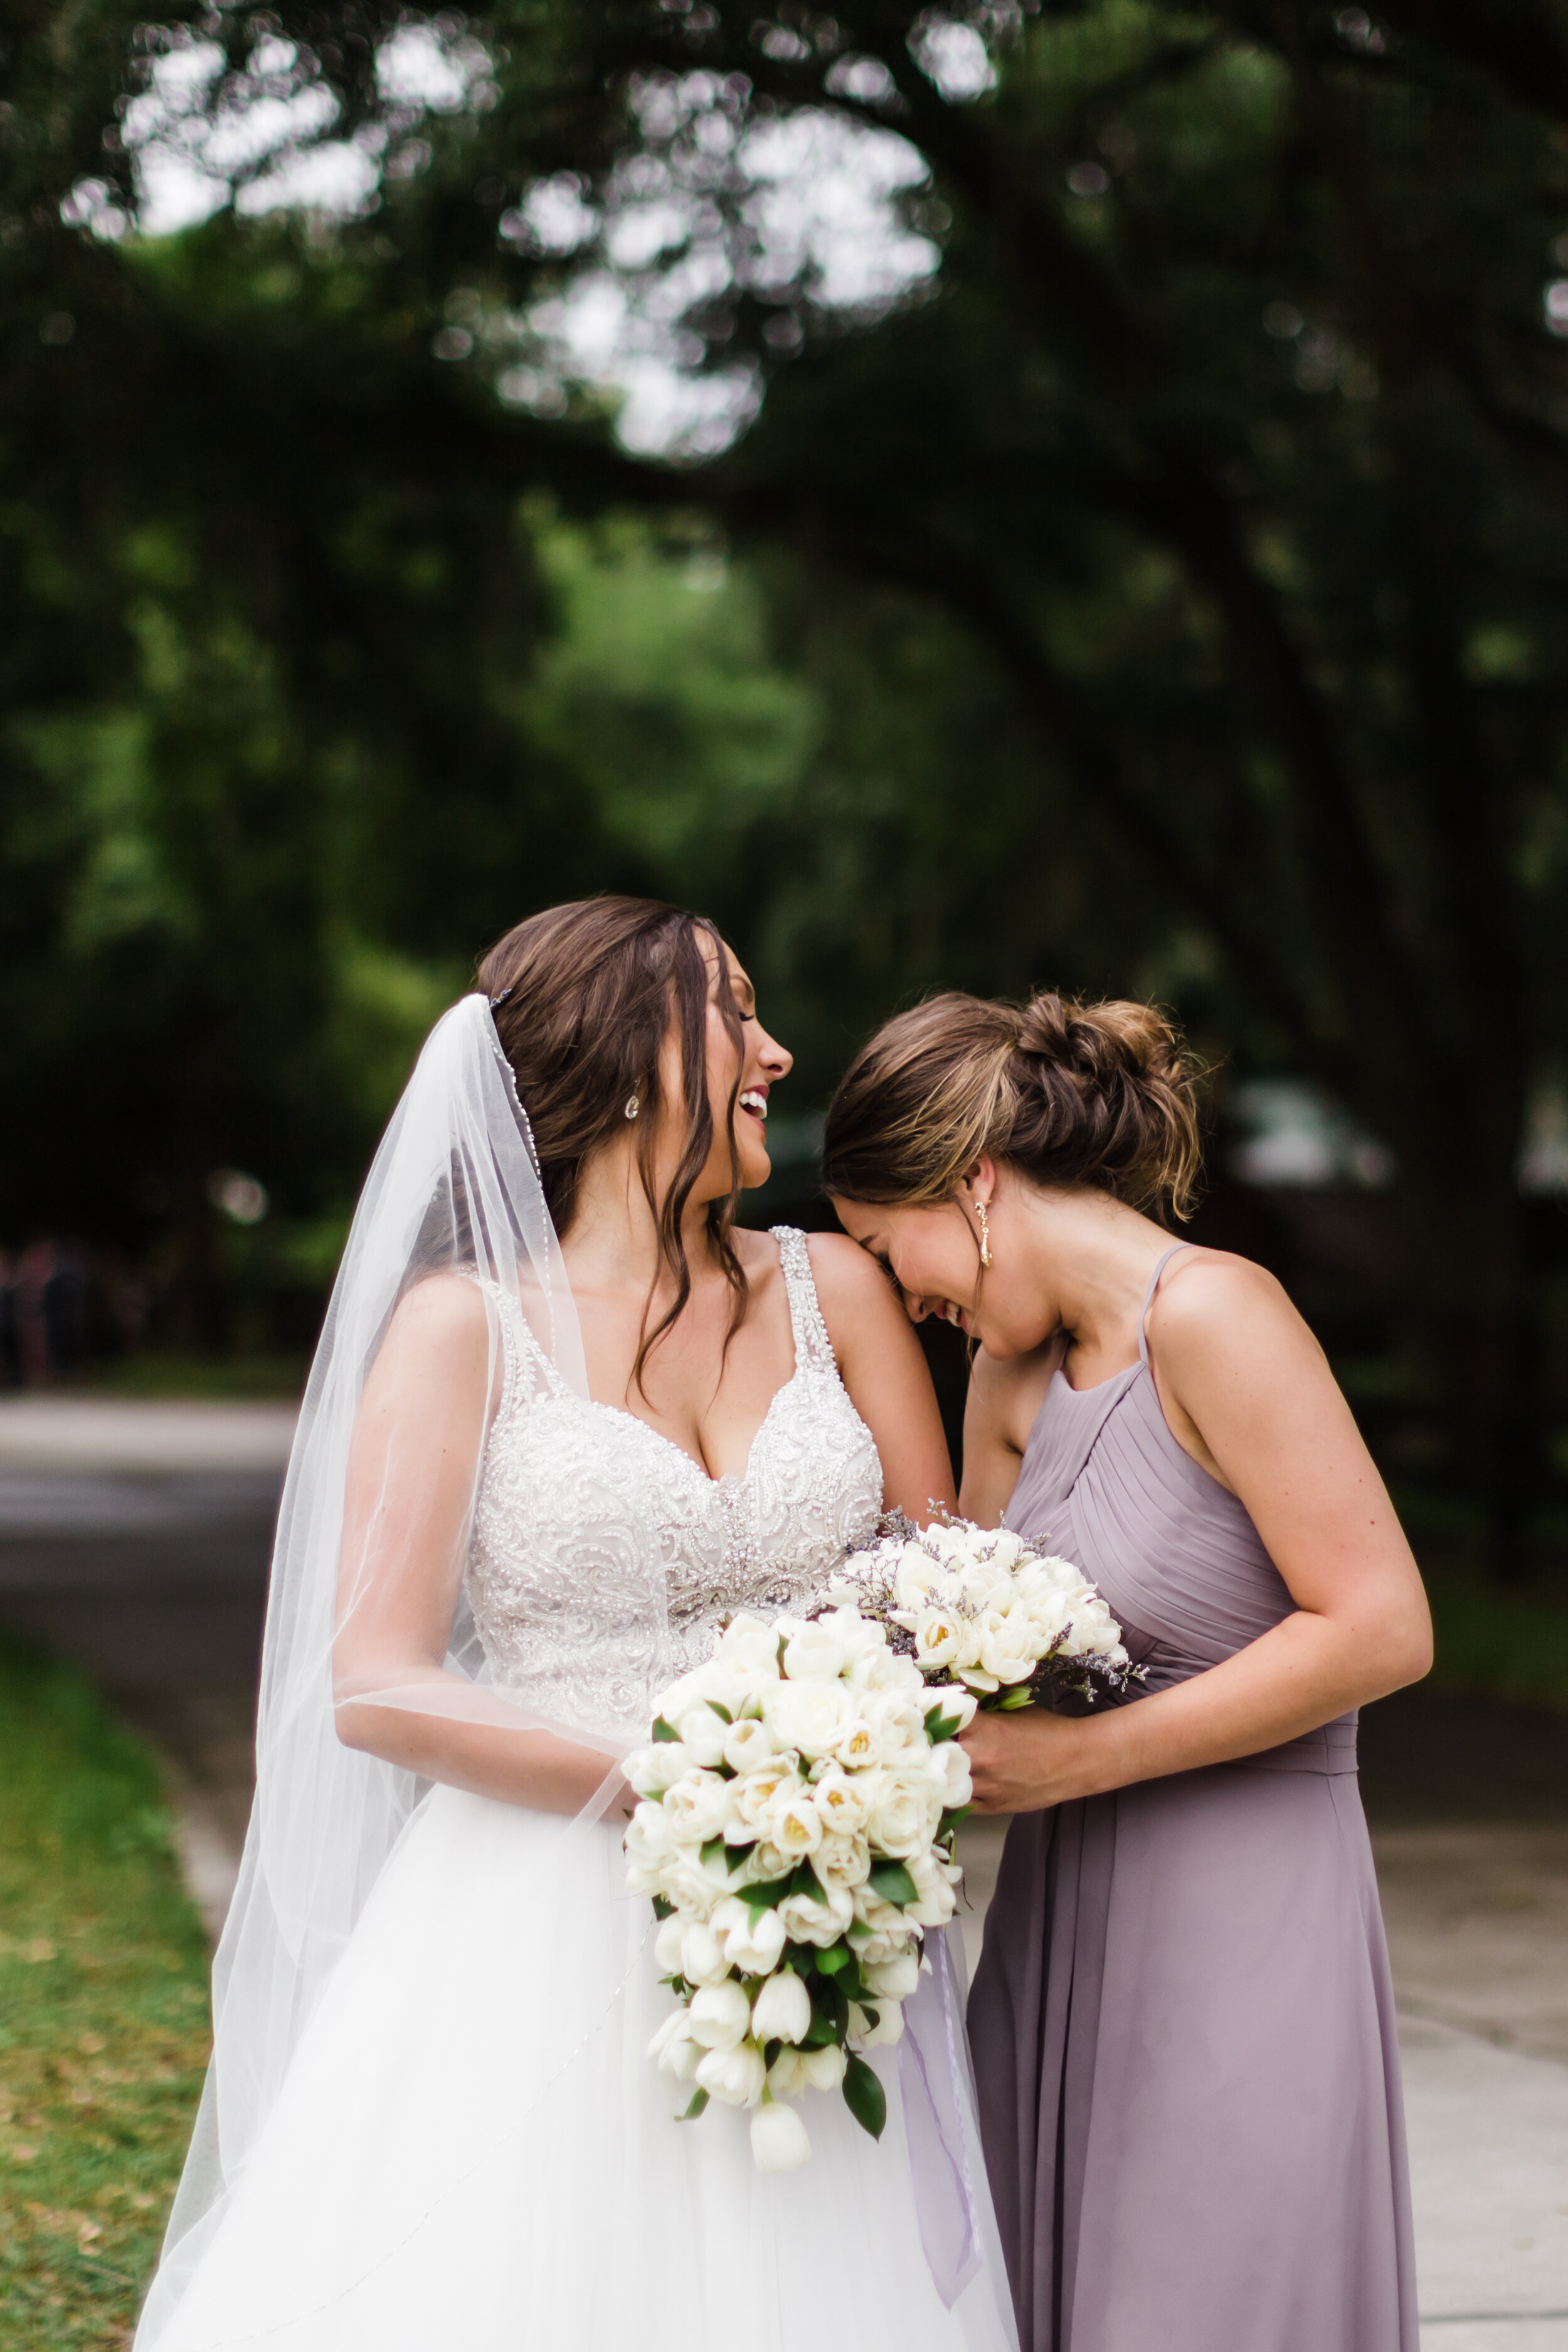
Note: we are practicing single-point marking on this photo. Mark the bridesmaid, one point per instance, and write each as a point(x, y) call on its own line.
point(1182, 2022)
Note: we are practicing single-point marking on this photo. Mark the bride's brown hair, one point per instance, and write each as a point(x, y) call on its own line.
point(1068, 1094)
point(583, 996)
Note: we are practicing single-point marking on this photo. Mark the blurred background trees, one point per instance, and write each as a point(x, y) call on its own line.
point(980, 496)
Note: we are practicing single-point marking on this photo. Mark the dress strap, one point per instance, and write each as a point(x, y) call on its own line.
point(812, 1344)
point(1149, 1297)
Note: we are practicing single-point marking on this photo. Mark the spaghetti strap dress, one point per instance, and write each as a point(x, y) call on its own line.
point(1183, 2018)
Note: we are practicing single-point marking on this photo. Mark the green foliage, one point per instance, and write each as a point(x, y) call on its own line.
point(103, 2014)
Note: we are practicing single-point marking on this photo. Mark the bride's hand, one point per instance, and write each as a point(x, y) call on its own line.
point(1021, 1763)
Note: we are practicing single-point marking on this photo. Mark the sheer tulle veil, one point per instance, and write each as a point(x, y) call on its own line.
point(454, 1193)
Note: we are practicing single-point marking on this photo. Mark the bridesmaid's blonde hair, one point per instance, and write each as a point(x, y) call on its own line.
point(1068, 1094)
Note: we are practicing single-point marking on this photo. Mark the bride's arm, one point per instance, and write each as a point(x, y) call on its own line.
point(881, 1365)
point(1246, 1389)
point(413, 1471)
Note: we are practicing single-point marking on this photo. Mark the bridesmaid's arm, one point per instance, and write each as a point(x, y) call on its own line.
point(881, 1364)
point(1247, 1392)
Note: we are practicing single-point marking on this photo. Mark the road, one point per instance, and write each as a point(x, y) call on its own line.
point(133, 1539)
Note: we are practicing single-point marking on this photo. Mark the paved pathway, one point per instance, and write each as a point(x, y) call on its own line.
point(134, 1538)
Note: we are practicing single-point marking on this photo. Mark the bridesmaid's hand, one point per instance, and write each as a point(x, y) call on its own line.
point(1021, 1763)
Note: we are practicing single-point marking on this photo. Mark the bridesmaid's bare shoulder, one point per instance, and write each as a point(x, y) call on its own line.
point(1213, 1297)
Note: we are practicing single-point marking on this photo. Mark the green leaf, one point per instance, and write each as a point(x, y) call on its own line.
point(714, 1847)
point(951, 1819)
point(1011, 1702)
point(663, 1908)
point(819, 2033)
point(736, 1855)
point(864, 2096)
point(770, 2055)
point(835, 1959)
point(723, 1712)
point(765, 1894)
point(892, 1882)
point(804, 1881)
point(940, 1726)
point(662, 1730)
point(699, 2100)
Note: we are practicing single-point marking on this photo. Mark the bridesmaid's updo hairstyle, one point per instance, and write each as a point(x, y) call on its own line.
point(583, 997)
point(1070, 1095)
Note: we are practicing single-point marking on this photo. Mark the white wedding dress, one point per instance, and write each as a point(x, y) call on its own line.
point(471, 2149)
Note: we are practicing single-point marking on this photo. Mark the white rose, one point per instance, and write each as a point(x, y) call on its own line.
point(842, 1802)
point(842, 1862)
point(818, 1919)
point(702, 1735)
point(667, 1945)
point(650, 1770)
point(675, 2047)
point(702, 1960)
point(750, 1648)
point(793, 1824)
point(898, 1822)
point(893, 1979)
point(779, 2138)
point(695, 1807)
point(806, 1716)
point(755, 1792)
point(720, 2015)
point(954, 1702)
point(752, 1940)
point(747, 1743)
point(782, 2011)
point(1006, 1648)
point(735, 2075)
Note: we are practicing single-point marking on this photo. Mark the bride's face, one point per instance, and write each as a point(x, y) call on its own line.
point(759, 1066)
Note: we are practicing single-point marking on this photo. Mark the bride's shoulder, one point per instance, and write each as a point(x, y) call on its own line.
point(852, 1291)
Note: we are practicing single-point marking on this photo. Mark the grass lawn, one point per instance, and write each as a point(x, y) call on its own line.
point(103, 2014)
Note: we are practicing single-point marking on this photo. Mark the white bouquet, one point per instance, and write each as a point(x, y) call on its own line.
point(795, 1834)
point(978, 1606)
point(799, 1801)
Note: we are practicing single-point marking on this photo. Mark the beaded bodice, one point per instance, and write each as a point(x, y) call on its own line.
point(603, 1557)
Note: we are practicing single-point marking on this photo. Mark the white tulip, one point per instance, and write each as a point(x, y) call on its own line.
point(815, 1654)
point(818, 1919)
point(787, 2076)
point(951, 1762)
point(872, 1911)
point(935, 1901)
point(824, 2069)
point(702, 1960)
point(894, 1979)
point(782, 2011)
point(747, 1743)
point(842, 1862)
point(755, 1793)
point(842, 1801)
point(650, 1770)
point(898, 1823)
point(779, 2139)
point(690, 1885)
point(676, 2048)
point(720, 2015)
point(764, 1864)
point(808, 1716)
point(900, 1715)
point(695, 1807)
point(889, 2028)
point(1007, 1548)
point(954, 1702)
point(736, 2075)
point(702, 1735)
point(794, 1823)
point(939, 1637)
point(751, 1648)
point(1006, 1647)
point(858, 1745)
point(667, 1945)
point(753, 1940)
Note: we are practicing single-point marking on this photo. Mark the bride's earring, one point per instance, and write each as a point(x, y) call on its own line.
point(634, 1105)
point(984, 1233)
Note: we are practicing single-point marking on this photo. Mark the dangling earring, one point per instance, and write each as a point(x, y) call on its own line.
point(984, 1233)
point(634, 1105)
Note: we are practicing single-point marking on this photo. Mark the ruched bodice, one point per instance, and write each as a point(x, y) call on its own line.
point(1176, 1555)
point(603, 1556)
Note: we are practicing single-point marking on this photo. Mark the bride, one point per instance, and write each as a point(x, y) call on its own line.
point(565, 1418)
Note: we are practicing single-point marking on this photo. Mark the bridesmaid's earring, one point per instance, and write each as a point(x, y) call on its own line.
point(984, 1233)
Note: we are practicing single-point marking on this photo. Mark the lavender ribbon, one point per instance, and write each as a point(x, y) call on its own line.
point(939, 2099)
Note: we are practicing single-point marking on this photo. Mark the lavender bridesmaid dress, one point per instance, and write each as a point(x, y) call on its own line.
point(1183, 2021)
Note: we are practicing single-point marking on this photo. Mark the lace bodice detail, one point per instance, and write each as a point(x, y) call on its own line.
point(603, 1557)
